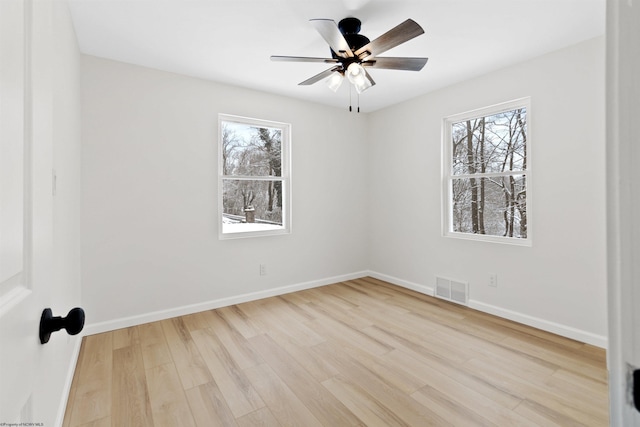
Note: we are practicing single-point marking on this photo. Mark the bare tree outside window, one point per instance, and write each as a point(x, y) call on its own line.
point(252, 182)
point(487, 171)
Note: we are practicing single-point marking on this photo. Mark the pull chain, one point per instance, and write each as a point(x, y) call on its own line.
point(349, 98)
point(351, 103)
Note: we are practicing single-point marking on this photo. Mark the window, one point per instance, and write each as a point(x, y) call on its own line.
point(487, 174)
point(254, 179)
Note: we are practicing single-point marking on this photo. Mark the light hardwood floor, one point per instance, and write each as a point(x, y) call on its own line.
point(362, 352)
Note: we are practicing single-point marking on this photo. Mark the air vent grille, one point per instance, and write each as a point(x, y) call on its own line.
point(452, 290)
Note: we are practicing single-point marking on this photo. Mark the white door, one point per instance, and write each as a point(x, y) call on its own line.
point(25, 203)
point(623, 205)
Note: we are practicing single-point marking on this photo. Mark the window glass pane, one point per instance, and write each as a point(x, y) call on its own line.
point(249, 150)
point(493, 206)
point(251, 205)
point(495, 143)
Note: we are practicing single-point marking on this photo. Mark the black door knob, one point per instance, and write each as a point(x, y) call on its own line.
point(73, 323)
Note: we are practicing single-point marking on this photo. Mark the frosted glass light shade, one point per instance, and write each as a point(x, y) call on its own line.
point(335, 81)
point(358, 77)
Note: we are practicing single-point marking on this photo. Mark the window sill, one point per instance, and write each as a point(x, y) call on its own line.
point(267, 230)
point(491, 239)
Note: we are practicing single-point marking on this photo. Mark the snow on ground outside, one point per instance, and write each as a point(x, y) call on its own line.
point(242, 227)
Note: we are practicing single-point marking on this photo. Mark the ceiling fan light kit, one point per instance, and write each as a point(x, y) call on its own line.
point(351, 52)
point(358, 77)
point(334, 81)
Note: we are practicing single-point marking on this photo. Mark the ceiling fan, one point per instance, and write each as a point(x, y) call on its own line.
point(352, 52)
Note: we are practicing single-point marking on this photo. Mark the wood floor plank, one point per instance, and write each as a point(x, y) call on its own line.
point(288, 323)
point(359, 295)
point(454, 411)
point(343, 335)
point(259, 418)
point(322, 404)
point(125, 337)
point(331, 295)
point(237, 345)
point(168, 401)
point(363, 286)
point(536, 394)
point(92, 400)
point(102, 422)
point(298, 299)
point(543, 416)
point(281, 401)
point(444, 394)
point(299, 334)
point(386, 370)
point(209, 407)
point(188, 361)
point(589, 389)
point(360, 352)
point(77, 379)
point(423, 344)
point(253, 309)
point(407, 409)
point(430, 367)
point(154, 345)
point(329, 309)
point(368, 409)
point(520, 363)
point(196, 321)
point(238, 320)
point(567, 358)
point(130, 396)
point(295, 306)
point(234, 385)
point(406, 322)
point(315, 365)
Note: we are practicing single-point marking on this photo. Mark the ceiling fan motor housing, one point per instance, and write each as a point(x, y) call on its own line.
point(350, 27)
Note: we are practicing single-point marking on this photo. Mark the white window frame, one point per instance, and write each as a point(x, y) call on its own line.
point(447, 176)
point(285, 176)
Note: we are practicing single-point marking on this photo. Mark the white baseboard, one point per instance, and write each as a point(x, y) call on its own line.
point(405, 284)
point(111, 325)
point(545, 325)
point(71, 369)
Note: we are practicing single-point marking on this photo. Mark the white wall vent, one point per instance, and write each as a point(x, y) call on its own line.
point(452, 290)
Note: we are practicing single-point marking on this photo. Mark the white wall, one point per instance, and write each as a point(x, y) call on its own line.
point(560, 282)
point(150, 246)
point(150, 239)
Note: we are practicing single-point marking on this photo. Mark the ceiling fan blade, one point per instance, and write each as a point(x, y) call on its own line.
point(318, 77)
point(329, 30)
point(373, 83)
point(390, 63)
point(303, 59)
point(392, 38)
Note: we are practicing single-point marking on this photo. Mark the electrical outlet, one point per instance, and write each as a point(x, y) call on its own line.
point(263, 269)
point(493, 280)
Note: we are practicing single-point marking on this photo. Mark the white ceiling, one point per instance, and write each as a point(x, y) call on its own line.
point(230, 41)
